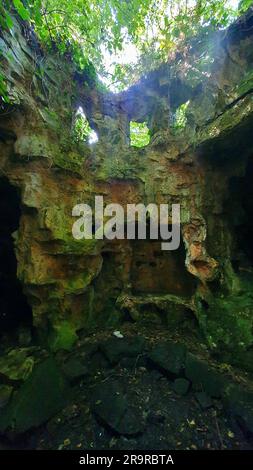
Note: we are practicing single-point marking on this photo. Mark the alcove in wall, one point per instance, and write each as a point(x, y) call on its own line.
point(14, 308)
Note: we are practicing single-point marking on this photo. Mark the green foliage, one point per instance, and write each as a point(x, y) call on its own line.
point(87, 28)
point(3, 91)
point(180, 119)
point(244, 5)
point(6, 23)
point(22, 11)
point(82, 131)
point(139, 134)
point(62, 337)
point(15, 6)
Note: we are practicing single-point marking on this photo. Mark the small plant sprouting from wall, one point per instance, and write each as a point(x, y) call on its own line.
point(180, 118)
point(82, 132)
point(3, 92)
point(139, 134)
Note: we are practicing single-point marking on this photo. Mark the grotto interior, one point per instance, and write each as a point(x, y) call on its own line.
point(130, 344)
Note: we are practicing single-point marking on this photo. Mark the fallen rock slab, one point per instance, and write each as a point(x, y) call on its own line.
point(116, 349)
point(42, 396)
point(111, 407)
point(204, 377)
point(181, 386)
point(203, 400)
point(239, 403)
point(169, 357)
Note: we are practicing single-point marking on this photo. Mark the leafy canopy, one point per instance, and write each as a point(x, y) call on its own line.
point(139, 134)
point(91, 29)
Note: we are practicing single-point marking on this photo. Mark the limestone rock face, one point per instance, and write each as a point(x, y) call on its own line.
point(200, 162)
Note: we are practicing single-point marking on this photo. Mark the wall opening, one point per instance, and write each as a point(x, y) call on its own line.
point(139, 134)
point(82, 131)
point(14, 308)
point(180, 117)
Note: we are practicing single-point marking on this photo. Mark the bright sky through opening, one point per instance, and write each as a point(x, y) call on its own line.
point(130, 54)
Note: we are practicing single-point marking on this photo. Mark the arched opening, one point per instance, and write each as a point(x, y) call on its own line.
point(82, 131)
point(14, 308)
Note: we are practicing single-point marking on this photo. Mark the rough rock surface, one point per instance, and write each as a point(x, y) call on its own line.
point(73, 285)
point(127, 405)
point(40, 397)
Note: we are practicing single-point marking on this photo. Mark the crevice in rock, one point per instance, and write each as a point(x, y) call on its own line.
point(240, 217)
point(14, 308)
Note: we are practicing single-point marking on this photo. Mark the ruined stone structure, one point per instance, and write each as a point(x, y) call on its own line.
point(205, 165)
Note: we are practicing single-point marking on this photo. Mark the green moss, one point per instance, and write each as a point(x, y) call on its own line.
point(85, 247)
point(40, 397)
point(77, 284)
point(71, 161)
point(59, 222)
point(227, 322)
point(227, 121)
point(63, 336)
point(17, 364)
point(246, 84)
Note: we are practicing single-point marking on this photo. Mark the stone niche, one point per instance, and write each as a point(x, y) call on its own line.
point(138, 278)
point(154, 271)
